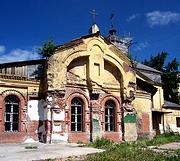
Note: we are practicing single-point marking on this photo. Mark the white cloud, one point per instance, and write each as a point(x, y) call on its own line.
point(141, 46)
point(162, 18)
point(132, 17)
point(19, 55)
point(2, 49)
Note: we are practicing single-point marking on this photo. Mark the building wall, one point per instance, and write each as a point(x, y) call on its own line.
point(170, 120)
point(158, 98)
point(96, 51)
point(93, 71)
point(23, 91)
point(143, 107)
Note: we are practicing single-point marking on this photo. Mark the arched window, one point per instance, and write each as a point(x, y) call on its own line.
point(76, 114)
point(109, 116)
point(11, 115)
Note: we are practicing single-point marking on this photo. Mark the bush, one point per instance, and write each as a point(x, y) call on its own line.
point(163, 139)
point(102, 143)
point(136, 151)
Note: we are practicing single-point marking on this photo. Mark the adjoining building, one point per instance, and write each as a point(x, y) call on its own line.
point(87, 88)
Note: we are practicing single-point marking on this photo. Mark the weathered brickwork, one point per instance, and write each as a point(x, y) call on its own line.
point(89, 91)
point(26, 127)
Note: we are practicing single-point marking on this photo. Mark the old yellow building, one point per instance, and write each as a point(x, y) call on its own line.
point(88, 88)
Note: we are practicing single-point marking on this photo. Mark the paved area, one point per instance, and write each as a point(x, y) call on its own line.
point(18, 152)
point(173, 146)
point(166, 148)
point(37, 151)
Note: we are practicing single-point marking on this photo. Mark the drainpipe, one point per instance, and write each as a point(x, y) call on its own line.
point(51, 124)
point(27, 120)
point(121, 100)
point(91, 126)
point(122, 122)
point(163, 122)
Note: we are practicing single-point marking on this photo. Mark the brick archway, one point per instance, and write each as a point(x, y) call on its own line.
point(13, 136)
point(114, 99)
point(79, 135)
point(115, 135)
point(78, 95)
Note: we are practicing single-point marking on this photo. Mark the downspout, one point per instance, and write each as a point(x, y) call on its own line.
point(122, 122)
point(163, 123)
point(152, 121)
point(51, 129)
point(121, 100)
point(27, 120)
point(91, 125)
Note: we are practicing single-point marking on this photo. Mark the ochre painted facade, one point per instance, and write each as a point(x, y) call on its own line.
point(96, 72)
point(89, 89)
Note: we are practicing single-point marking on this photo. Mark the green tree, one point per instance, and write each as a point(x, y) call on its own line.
point(47, 49)
point(170, 77)
point(157, 62)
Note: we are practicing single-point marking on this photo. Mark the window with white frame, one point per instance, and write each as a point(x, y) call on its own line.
point(76, 115)
point(109, 116)
point(11, 115)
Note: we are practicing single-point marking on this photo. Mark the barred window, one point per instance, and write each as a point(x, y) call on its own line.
point(76, 115)
point(109, 116)
point(11, 115)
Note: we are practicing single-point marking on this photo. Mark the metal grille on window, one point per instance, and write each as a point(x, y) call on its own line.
point(11, 115)
point(109, 116)
point(76, 114)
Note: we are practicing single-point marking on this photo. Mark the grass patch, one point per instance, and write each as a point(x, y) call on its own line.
point(135, 151)
point(163, 139)
point(101, 143)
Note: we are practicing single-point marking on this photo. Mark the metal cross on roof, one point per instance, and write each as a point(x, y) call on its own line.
point(94, 14)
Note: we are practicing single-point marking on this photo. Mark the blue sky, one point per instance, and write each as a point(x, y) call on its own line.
point(25, 25)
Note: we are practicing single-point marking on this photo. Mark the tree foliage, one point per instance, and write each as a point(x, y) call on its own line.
point(157, 62)
point(47, 49)
point(170, 78)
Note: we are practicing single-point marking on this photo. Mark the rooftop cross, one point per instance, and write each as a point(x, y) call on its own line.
point(94, 14)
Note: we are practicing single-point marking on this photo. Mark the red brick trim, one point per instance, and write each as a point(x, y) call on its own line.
point(114, 136)
point(117, 110)
point(22, 108)
point(113, 98)
point(12, 92)
point(85, 108)
point(79, 95)
point(78, 136)
point(145, 123)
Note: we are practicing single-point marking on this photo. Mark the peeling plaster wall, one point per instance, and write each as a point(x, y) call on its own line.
point(60, 137)
point(36, 110)
point(59, 115)
point(143, 107)
point(92, 68)
point(170, 120)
